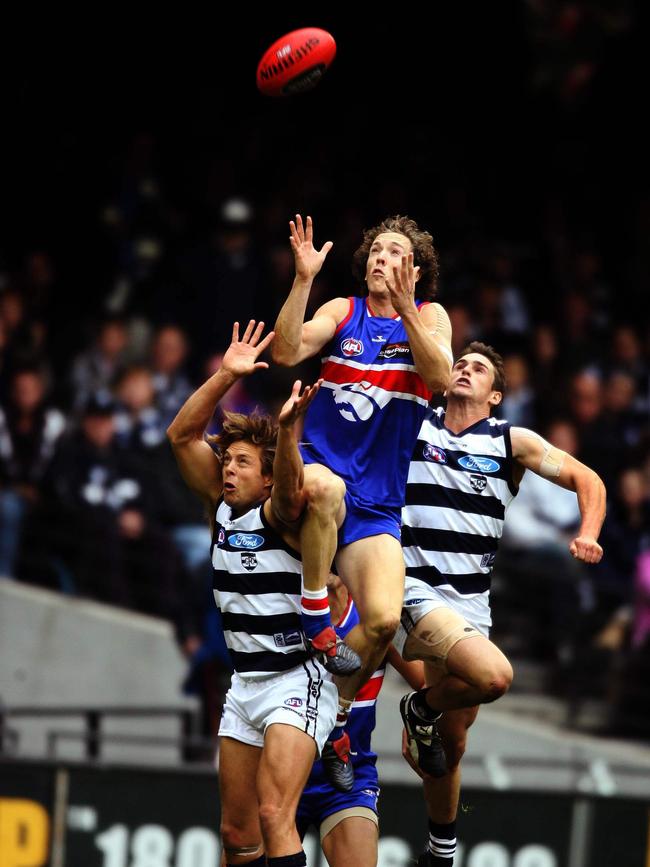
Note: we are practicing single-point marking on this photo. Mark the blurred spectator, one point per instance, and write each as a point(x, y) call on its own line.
point(641, 626)
point(139, 423)
point(223, 281)
point(94, 370)
point(23, 338)
point(108, 538)
point(599, 445)
point(542, 520)
point(580, 344)
point(631, 705)
point(620, 409)
point(463, 329)
point(171, 385)
point(625, 531)
point(29, 431)
point(515, 317)
point(627, 355)
point(547, 372)
point(518, 404)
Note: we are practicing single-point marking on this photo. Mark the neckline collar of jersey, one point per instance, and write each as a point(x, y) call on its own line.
point(465, 430)
point(372, 313)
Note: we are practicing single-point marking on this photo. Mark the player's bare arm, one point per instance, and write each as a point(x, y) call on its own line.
point(287, 500)
point(296, 339)
point(197, 461)
point(429, 328)
point(533, 452)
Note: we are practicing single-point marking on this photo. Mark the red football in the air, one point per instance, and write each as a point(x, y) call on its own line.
point(296, 62)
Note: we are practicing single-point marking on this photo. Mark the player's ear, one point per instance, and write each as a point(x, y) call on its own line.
point(416, 272)
point(268, 480)
point(495, 398)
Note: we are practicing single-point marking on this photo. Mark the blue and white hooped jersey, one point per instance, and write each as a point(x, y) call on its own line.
point(361, 722)
point(257, 587)
point(458, 489)
point(365, 419)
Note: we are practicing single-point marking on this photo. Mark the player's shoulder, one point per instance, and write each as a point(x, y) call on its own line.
point(338, 308)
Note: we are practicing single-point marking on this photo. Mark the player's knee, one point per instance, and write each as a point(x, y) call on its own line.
point(324, 492)
point(381, 629)
point(497, 683)
point(239, 841)
point(272, 816)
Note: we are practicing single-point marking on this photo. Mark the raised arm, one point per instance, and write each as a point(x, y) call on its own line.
point(533, 452)
point(197, 461)
point(296, 339)
point(287, 496)
point(428, 329)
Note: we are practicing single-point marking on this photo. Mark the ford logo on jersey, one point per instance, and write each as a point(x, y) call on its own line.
point(433, 453)
point(245, 540)
point(483, 465)
point(351, 346)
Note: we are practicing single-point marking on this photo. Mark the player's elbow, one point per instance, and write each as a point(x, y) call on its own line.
point(178, 435)
point(438, 382)
point(284, 356)
point(173, 433)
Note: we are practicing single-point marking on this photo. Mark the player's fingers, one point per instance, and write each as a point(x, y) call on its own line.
point(262, 346)
point(260, 365)
point(235, 332)
point(249, 330)
point(309, 237)
point(409, 268)
point(309, 394)
point(300, 228)
point(257, 333)
point(327, 246)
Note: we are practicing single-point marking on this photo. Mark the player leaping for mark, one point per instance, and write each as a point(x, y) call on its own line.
point(384, 356)
point(281, 704)
point(465, 471)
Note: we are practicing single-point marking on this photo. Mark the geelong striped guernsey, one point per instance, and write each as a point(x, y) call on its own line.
point(257, 587)
point(458, 489)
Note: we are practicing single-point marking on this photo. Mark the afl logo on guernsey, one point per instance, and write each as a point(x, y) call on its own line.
point(434, 454)
point(351, 346)
point(245, 540)
point(221, 538)
point(483, 465)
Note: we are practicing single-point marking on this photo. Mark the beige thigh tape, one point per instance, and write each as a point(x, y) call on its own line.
point(336, 818)
point(433, 637)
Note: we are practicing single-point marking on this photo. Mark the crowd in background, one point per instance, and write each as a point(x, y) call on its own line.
point(103, 338)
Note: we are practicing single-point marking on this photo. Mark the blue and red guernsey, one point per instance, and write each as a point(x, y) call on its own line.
point(365, 420)
point(360, 726)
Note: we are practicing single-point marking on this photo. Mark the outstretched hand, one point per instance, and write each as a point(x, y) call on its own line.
point(587, 549)
point(241, 356)
point(307, 258)
point(297, 403)
point(402, 284)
